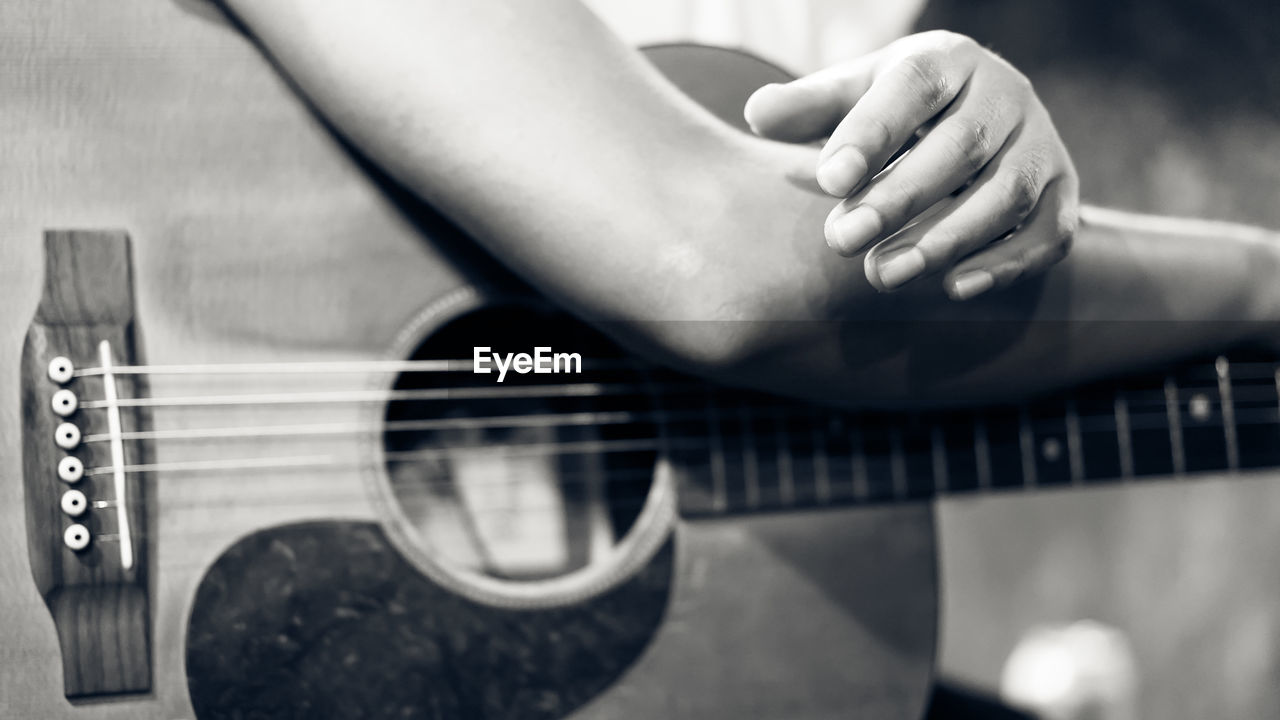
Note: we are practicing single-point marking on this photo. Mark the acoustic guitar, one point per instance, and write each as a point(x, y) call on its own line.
point(252, 471)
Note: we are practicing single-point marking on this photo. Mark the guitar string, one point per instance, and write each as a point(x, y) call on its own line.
point(616, 477)
point(533, 420)
point(411, 366)
point(343, 397)
point(610, 480)
point(1138, 420)
point(734, 502)
point(533, 392)
point(739, 499)
point(310, 461)
point(334, 367)
point(478, 423)
point(1090, 421)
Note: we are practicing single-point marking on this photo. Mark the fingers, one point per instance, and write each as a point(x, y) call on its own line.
point(1007, 194)
point(809, 108)
point(910, 92)
point(1042, 241)
point(953, 152)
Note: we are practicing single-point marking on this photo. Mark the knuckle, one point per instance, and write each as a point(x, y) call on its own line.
point(926, 75)
point(1023, 192)
point(1066, 240)
point(1026, 182)
point(1022, 85)
point(878, 134)
point(949, 39)
point(940, 246)
point(895, 200)
point(971, 142)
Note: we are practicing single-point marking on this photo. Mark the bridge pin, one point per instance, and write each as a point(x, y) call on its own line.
point(61, 370)
point(67, 436)
point(76, 537)
point(65, 402)
point(70, 469)
point(74, 503)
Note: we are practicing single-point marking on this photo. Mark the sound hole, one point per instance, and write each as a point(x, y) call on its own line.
point(533, 477)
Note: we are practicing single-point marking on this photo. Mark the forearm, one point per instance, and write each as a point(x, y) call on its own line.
point(1136, 291)
point(566, 156)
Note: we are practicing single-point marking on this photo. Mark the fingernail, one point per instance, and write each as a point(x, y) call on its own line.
point(852, 231)
point(842, 171)
point(900, 267)
point(972, 284)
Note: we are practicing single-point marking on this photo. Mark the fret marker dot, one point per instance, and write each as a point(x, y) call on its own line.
point(1200, 407)
point(67, 436)
point(74, 503)
point(1051, 449)
point(65, 402)
point(70, 469)
point(76, 537)
point(60, 370)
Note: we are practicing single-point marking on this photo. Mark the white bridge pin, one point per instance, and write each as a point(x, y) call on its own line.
point(65, 402)
point(76, 537)
point(70, 469)
point(61, 370)
point(67, 436)
point(74, 503)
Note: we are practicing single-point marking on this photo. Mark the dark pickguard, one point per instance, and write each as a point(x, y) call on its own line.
point(327, 620)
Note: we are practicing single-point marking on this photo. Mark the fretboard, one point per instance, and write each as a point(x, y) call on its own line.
point(740, 452)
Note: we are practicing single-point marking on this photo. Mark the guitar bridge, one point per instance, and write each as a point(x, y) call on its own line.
point(85, 512)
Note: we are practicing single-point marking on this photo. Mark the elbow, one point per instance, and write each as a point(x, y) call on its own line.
point(716, 337)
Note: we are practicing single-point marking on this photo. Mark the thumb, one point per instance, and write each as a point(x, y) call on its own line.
point(811, 107)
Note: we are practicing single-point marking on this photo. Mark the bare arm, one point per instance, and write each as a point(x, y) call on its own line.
point(571, 160)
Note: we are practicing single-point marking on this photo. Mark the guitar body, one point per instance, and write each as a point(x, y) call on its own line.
point(257, 237)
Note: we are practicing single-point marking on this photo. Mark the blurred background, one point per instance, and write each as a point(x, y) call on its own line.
point(1168, 106)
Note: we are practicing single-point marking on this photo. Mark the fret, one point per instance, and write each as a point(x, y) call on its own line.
point(786, 475)
point(1124, 437)
point(719, 483)
point(821, 465)
point(837, 456)
point(1147, 414)
point(938, 451)
point(1006, 451)
point(1051, 444)
point(1100, 433)
point(878, 446)
point(897, 463)
point(858, 469)
point(1075, 453)
point(1201, 419)
point(768, 453)
point(955, 453)
point(1026, 445)
point(750, 460)
point(1172, 408)
point(982, 453)
point(1257, 414)
point(917, 463)
point(733, 452)
point(689, 461)
point(1223, 368)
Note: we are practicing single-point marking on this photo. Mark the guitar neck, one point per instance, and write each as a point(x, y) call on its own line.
point(747, 453)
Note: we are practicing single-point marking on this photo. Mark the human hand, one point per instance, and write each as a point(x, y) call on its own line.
point(988, 190)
